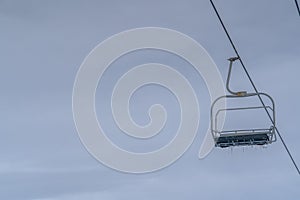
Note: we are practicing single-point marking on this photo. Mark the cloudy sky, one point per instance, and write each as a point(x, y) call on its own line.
point(43, 44)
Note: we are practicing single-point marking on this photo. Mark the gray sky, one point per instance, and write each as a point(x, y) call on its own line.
point(42, 46)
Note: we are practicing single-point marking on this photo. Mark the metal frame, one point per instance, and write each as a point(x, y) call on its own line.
point(235, 137)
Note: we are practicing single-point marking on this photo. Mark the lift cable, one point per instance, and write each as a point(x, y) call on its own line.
point(297, 5)
point(254, 87)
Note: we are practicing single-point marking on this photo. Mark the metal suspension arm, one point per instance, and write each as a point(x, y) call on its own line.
point(239, 93)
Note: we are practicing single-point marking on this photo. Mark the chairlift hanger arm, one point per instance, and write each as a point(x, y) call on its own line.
point(239, 93)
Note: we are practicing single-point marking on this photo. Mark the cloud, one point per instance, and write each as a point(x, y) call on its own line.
point(43, 45)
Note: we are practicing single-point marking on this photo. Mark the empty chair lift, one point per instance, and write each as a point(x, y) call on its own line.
point(239, 137)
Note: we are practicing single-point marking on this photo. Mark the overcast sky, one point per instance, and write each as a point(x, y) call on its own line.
point(42, 45)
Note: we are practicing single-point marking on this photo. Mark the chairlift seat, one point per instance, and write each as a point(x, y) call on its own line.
point(244, 137)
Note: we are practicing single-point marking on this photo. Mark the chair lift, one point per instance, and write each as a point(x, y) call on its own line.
point(239, 137)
